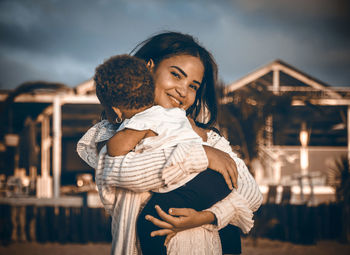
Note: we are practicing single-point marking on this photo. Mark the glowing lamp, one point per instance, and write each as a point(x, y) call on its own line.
point(304, 135)
point(304, 154)
point(304, 138)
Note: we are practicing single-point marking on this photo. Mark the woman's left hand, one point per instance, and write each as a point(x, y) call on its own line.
point(177, 220)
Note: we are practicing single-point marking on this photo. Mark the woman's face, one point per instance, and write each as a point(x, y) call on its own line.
point(177, 80)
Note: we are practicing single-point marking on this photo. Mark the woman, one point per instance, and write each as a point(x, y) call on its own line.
point(185, 76)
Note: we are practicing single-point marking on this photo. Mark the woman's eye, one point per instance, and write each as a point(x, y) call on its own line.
point(176, 75)
point(194, 87)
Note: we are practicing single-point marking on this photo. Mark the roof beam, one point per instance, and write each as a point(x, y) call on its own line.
point(324, 102)
point(65, 99)
point(307, 80)
point(76, 116)
point(275, 79)
point(85, 87)
point(249, 78)
point(80, 99)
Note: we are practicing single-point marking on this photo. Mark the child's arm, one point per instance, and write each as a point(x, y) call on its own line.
point(125, 141)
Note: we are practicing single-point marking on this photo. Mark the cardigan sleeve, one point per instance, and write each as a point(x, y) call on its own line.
point(137, 172)
point(247, 195)
point(150, 170)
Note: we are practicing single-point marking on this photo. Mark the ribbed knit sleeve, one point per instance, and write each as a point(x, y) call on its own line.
point(247, 186)
point(150, 170)
point(248, 190)
point(239, 213)
point(137, 172)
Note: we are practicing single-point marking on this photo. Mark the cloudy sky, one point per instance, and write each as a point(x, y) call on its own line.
point(64, 40)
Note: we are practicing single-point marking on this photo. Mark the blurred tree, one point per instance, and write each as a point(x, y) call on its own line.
point(339, 179)
point(243, 114)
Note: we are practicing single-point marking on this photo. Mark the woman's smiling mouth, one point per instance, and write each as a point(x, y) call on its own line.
point(175, 101)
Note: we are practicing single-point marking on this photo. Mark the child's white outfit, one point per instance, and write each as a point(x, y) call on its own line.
point(168, 160)
point(171, 125)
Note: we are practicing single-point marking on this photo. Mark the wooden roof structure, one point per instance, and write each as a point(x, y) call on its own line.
point(281, 78)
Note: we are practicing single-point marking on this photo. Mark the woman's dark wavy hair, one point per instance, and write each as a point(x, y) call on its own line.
point(169, 44)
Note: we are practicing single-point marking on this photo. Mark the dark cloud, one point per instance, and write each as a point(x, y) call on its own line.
point(305, 34)
point(24, 67)
point(64, 40)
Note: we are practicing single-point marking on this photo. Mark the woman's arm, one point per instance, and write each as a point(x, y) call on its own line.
point(247, 186)
point(235, 209)
point(238, 206)
point(222, 163)
point(150, 170)
point(180, 219)
point(138, 171)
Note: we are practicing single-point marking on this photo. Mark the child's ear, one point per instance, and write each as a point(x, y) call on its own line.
point(150, 64)
point(118, 112)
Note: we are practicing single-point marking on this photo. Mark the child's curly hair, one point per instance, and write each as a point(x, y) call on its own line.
point(124, 81)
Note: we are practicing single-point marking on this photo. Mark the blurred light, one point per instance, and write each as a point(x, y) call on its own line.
point(11, 140)
point(80, 183)
point(304, 137)
point(339, 126)
point(25, 181)
point(304, 160)
point(304, 154)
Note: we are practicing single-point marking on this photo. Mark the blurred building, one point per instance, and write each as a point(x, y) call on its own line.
point(40, 125)
point(290, 127)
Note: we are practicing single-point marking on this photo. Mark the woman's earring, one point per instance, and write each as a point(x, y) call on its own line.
point(150, 64)
point(118, 120)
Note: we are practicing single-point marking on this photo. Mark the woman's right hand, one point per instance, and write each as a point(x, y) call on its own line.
point(222, 162)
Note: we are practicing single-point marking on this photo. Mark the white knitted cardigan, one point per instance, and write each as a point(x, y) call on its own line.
point(122, 180)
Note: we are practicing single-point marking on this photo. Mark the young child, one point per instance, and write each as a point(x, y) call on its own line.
point(125, 84)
